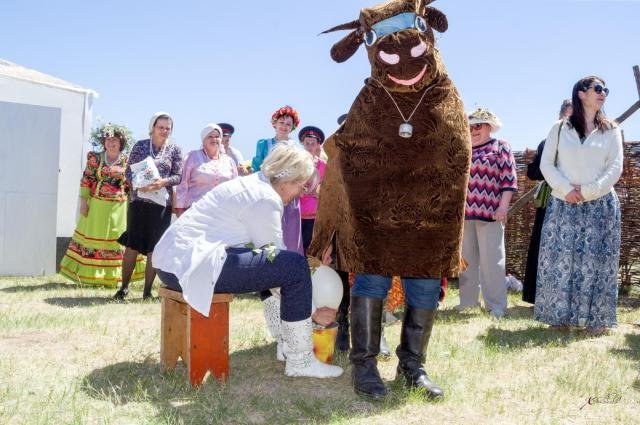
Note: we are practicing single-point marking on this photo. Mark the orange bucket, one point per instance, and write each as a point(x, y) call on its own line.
point(324, 341)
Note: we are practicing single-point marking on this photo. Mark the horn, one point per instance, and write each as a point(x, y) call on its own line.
point(348, 26)
point(436, 19)
point(345, 48)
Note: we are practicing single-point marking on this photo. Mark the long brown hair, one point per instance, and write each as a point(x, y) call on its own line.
point(577, 118)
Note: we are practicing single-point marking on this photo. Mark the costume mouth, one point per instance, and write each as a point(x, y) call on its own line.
point(411, 81)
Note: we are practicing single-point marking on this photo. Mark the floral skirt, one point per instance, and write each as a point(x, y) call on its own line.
point(578, 263)
point(94, 255)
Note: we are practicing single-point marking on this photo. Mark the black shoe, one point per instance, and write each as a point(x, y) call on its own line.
point(121, 294)
point(366, 326)
point(414, 339)
point(367, 381)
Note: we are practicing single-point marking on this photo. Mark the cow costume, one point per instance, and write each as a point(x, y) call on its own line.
point(392, 202)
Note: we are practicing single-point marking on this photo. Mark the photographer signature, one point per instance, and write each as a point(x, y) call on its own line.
point(606, 399)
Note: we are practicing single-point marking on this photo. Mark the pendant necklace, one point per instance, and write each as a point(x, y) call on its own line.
point(405, 130)
point(160, 154)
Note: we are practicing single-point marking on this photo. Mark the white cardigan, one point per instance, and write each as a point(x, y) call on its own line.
point(595, 164)
point(242, 210)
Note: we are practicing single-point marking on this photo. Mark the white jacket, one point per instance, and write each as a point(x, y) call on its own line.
point(239, 211)
point(595, 164)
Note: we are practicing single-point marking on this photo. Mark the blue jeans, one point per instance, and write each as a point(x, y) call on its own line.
point(244, 271)
point(419, 293)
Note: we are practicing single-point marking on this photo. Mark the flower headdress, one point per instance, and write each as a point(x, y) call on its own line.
point(100, 134)
point(284, 111)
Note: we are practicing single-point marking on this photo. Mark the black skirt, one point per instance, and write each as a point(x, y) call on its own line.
point(531, 270)
point(146, 223)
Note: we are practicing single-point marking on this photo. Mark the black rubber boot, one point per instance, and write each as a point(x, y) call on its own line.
point(342, 339)
point(366, 325)
point(414, 339)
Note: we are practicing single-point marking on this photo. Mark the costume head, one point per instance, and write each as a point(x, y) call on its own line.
point(398, 36)
point(286, 111)
point(485, 116)
point(311, 131)
point(99, 135)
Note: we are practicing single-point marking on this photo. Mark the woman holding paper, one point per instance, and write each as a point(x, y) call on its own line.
point(149, 213)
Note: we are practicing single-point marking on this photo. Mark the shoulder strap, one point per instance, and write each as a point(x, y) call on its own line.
point(555, 161)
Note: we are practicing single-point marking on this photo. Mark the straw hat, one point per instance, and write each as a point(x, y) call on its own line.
point(485, 116)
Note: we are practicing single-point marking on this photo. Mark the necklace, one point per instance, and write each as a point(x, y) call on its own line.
point(405, 130)
point(160, 154)
point(111, 163)
point(206, 155)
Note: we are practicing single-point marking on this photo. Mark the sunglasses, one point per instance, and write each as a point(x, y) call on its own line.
point(599, 88)
point(475, 126)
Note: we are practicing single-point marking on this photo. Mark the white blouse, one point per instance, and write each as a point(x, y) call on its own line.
point(239, 211)
point(595, 164)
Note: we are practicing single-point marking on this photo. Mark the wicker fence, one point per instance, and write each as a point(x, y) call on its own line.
point(519, 228)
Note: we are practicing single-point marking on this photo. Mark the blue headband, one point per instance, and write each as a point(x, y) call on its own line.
point(396, 23)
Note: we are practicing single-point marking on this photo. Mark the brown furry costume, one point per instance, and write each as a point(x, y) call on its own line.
point(396, 205)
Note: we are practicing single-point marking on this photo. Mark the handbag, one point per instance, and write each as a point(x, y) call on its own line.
point(543, 192)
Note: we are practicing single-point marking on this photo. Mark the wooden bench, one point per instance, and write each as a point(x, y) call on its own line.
point(202, 342)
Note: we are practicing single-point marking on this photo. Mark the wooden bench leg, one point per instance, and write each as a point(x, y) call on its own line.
point(208, 343)
point(173, 341)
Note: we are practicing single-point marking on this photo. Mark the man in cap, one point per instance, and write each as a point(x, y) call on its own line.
point(235, 154)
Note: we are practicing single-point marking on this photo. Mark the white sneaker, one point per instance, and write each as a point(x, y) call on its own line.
point(298, 350)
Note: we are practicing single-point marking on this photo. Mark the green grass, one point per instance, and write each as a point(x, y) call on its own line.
point(70, 355)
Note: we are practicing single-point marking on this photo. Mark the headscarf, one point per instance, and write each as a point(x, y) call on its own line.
point(208, 129)
point(155, 117)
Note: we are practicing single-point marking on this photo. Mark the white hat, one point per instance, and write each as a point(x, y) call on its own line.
point(485, 116)
point(208, 129)
point(155, 117)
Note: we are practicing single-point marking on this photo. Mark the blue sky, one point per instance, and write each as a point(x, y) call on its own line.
point(234, 61)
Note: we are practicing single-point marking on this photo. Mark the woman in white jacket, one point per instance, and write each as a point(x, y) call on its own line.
point(230, 241)
point(580, 242)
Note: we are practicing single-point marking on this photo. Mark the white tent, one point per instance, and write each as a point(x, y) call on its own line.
point(44, 123)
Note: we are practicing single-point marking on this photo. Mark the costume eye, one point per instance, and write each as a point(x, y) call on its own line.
point(419, 49)
point(390, 58)
point(370, 37)
point(420, 24)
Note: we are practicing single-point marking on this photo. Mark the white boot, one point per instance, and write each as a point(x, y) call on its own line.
point(298, 350)
point(271, 309)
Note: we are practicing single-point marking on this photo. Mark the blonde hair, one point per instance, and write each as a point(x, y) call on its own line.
point(288, 162)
